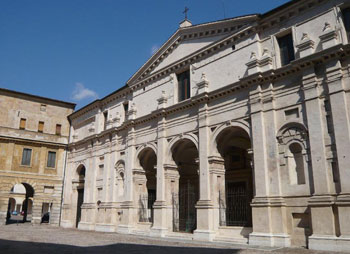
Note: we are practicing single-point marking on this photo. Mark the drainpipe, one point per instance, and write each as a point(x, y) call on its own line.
point(64, 172)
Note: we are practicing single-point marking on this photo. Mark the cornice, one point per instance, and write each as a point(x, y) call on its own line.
point(32, 141)
point(196, 56)
point(294, 67)
point(186, 33)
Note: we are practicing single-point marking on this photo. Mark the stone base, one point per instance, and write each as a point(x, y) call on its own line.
point(67, 224)
point(158, 232)
point(125, 229)
point(36, 220)
point(271, 240)
point(329, 243)
point(203, 235)
point(86, 226)
point(102, 227)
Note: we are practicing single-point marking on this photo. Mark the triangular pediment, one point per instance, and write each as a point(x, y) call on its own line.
point(188, 40)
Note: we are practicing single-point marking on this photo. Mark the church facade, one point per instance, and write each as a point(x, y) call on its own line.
point(235, 130)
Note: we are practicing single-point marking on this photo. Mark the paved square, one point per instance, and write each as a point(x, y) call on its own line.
point(25, 238)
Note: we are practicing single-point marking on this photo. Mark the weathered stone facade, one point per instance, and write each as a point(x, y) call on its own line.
point(21, 134)
point(235, 130)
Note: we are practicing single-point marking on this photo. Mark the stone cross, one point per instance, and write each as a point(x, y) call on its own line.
point(185, 12)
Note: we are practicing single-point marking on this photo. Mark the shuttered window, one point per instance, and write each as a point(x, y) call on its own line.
point(26, 156)
point(41, 127)
point(51, 159)
point(22, 124)
point(184, 85)
point(58, 129)
point(286, 49)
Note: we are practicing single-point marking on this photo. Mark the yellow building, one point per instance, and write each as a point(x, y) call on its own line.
point(34, 135)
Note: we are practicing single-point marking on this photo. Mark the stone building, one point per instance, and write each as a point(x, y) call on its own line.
point(34, 135)
point(234, 130)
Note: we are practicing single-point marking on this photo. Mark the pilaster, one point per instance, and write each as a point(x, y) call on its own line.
point(322, 200)
point(159, 227)
point(128, 206)
point(205, 212)
point(321, 178)
point(341, 123)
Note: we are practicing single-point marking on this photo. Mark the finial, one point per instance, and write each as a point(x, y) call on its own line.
point(185, 12)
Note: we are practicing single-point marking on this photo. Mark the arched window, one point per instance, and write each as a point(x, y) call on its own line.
point(296, 164)
point(120, 178)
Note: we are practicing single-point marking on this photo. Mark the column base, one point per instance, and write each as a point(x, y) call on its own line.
point(125, 229)
point(86, 226)
point(329, 243)
point(158, 232)
point(103, 227)
point(268, 239)
point(67, 224)
point(203, 235)
point(36, 220)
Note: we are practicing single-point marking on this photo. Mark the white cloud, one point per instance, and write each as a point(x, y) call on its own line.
point(154, 49)
point(81, 92)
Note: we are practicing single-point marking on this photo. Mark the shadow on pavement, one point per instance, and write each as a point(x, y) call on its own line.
point(7, 246)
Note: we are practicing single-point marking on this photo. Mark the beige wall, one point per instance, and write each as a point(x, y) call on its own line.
point(46, 181)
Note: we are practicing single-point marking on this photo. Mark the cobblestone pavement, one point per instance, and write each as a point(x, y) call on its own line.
point(25, 238)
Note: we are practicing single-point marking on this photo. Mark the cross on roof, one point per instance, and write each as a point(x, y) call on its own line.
point(185, 12)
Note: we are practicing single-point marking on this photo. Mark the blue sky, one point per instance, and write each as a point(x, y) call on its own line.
point(80, 50)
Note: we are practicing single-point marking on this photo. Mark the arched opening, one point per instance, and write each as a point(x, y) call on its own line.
point(119, 180)
point(296, 164)
point(186, 192)
point(20, 203)
point(236, 190)
point(147, 184)
point(80, 173)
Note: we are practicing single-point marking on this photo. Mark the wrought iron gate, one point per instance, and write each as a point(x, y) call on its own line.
point(184, 211)
point(146, 213)
point(235, 208)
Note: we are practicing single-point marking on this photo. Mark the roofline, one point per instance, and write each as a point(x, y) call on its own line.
point(180, 29)
point(279, 8)
point(37, 97)
point(98, 100)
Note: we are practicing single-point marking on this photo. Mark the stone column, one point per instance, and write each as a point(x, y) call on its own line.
point(172, 176)
point(217, 179)
point(338, 83)
point(128, 206)
point(276, 204)
point(159, 227)
point(205, 220)
point(265, 231)
point(321, 202)
point(3, 210)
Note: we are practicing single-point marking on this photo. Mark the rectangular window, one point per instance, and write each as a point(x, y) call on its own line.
point(99, 193)
point(329, 123)
point(51, 160)
point(184, 85)
point(100, 170)
point(285, 44)
point(346, 19)
point(126, 109)
point(105, 118)
point(48, 189)
point(41, 127)
point(22, 124)
point(26, 156)
point(58, 129)
point(292, 113)
point(43, 107)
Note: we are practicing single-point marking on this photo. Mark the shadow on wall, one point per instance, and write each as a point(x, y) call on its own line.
point(7, 246)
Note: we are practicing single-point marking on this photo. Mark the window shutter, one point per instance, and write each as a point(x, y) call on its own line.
point(22, 124)
point(41, 127)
